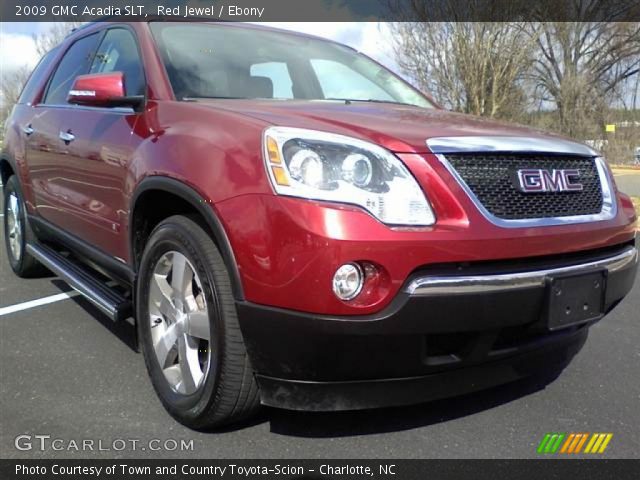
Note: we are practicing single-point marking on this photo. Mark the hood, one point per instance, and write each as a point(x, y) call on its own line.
point(399, 128)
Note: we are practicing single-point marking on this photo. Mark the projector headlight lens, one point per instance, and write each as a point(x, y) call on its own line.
point(324, 166)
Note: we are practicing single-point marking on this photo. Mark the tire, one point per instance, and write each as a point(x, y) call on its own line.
point(219, 388)
point(17, 233)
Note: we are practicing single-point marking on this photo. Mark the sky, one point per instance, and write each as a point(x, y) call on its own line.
point(374, 39)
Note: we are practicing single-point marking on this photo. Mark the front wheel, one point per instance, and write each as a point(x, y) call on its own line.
point(188, 328)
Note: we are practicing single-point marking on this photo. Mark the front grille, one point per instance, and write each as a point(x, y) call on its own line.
point(491, 178)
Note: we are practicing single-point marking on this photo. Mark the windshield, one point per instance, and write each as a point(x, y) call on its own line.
point(216, 61)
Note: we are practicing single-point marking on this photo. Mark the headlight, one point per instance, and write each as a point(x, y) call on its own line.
point(324, 166)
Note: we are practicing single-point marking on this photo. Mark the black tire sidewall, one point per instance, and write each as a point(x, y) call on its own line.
point(173, 237)
point(13, 187)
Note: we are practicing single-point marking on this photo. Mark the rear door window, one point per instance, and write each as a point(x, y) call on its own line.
point(75, 62)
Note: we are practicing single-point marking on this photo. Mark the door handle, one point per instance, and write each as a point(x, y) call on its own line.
point(28, 130)
point(67, 137)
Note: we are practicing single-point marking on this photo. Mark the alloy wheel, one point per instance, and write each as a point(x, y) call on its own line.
point(14, 226)
point(180, 328)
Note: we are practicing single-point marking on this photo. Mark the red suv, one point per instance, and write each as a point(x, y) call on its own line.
point(292, 224)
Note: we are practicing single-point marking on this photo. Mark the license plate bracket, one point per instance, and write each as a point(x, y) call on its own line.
point(575, 299)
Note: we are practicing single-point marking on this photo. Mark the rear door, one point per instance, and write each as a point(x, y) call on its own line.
point(92, 168)
point(24, 117)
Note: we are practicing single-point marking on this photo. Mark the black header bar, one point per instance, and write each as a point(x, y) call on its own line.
point(320, 10)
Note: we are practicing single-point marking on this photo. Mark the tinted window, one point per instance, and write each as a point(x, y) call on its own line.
point(222, 61)
point(118, 52)
point(75, 62)
point(35, 80)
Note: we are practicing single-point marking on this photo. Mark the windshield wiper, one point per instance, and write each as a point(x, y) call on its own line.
point(199, 97)
point(369, 100)
point(347, 101)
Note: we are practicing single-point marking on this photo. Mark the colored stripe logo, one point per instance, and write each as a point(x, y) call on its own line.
point(573, 443)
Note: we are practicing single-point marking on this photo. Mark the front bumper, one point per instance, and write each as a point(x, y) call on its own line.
point(453, 329)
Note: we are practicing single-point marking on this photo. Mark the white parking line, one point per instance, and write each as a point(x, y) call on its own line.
point(37, 303)
point(59, 297)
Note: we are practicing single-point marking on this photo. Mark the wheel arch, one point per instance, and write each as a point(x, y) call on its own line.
point(7, 169)
point(153, 187)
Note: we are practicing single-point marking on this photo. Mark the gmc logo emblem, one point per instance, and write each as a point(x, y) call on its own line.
point(541, 180)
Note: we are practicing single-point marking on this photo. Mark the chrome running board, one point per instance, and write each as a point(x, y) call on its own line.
point(106, 299)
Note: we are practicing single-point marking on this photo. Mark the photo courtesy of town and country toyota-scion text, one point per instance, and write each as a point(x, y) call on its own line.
point(356, 239)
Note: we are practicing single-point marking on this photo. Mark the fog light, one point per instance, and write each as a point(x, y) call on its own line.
point(348, 281)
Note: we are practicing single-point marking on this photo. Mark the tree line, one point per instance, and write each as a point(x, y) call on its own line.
point(568, 77)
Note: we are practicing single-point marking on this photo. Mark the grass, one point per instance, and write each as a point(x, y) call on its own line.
point(636, 202)
point(627, 167)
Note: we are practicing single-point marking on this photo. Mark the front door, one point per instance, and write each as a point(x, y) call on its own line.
point(97, 145)
point(45, 150)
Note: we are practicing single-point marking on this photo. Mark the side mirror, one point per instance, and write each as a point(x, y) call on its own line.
point(102, 90)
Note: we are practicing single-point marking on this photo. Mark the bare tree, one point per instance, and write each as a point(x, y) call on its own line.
point(12, 81)
point(567, 76)
point(473, 67)
point(11, 85)
point(53, 36)
point(580, 65)
point(469, 66)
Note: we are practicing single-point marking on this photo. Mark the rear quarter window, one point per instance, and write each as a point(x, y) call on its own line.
point(36, 79)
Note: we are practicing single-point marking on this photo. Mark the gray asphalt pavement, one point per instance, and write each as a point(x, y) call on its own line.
point(68, 372)
point(628, 181)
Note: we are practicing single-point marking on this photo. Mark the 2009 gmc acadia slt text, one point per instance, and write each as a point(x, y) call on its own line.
point(292, 224)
